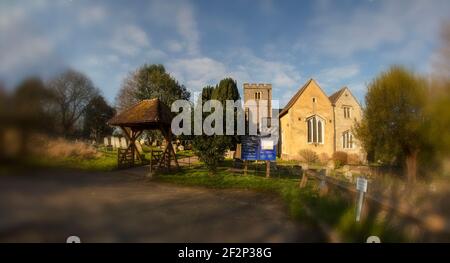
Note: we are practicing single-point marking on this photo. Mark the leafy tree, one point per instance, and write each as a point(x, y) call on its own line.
point(148, 82)
point(2, 90)
point(3, 102)
point(227, 90)
point(32, 105)
point(211, 149)
point(73, 92)
point(207, 94)
point(96, 116)
point(27, 109)
point(393, 120)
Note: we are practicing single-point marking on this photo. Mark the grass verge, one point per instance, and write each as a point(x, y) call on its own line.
point(335, 209)
point(107, 161)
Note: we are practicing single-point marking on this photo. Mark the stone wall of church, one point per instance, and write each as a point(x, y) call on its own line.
point(313, 101)
point(294, 124)
point(346, 123)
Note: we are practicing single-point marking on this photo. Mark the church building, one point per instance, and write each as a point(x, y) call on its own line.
point(314, 121)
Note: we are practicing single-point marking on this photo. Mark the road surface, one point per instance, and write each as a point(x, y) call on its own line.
point(125, 206)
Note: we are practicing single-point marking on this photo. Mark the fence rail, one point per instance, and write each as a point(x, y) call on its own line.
point(379, 202)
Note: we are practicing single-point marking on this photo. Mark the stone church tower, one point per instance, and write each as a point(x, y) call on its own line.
point(258, 101)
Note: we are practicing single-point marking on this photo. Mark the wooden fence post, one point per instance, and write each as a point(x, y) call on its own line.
point(304, 179)
point(245, 167)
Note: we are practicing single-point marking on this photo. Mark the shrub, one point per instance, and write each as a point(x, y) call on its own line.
point(211, 150)
point(353, 159)
point(340, 159)
point(309, 156)
point(62, 148)
point(324, 158)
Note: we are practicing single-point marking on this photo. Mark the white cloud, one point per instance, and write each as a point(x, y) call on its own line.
point(91, 15)
point(129, 40)
point(187, 27)
point(179, 15)
point(11, 19)
point(25, 53)
point(21, 48)
point(174, 46)
point(336, 74)
point(197, 72)
point(252, 68)
point(154, 55)
point(380, 23)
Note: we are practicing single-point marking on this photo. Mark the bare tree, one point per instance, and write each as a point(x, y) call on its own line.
point(127, 93)
point(73, 91)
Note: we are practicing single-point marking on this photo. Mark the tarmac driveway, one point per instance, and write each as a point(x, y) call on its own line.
point(125, 206)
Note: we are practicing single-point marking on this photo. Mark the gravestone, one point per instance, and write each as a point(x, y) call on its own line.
point(116, 142)
point(348, 175)
point(123, 143)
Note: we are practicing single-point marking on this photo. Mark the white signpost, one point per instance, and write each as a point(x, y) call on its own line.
point(361, 187)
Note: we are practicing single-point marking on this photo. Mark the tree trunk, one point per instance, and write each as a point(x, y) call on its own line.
point(411, 166)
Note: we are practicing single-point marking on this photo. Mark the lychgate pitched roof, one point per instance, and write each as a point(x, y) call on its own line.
point(145, 113)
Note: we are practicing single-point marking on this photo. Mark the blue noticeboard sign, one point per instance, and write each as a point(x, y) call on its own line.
point(254, 148)
point(250, 148)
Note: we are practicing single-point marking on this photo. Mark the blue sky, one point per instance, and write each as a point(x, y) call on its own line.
point(338, 43)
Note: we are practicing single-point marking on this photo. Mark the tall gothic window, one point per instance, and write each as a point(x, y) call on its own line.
point(316, 131)
point(347, 140)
